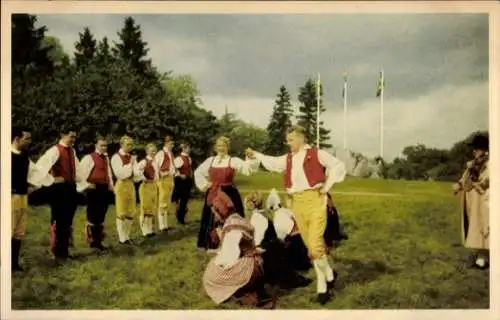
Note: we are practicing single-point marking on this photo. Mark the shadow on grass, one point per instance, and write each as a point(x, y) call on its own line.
point(360, 272)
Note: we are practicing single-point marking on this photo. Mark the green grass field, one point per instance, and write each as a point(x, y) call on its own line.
point(402, 252)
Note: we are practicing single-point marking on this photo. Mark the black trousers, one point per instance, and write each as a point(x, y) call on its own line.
point(181, 194)
point(97, 206)
point(63, 204)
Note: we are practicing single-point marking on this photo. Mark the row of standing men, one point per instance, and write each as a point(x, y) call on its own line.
point(165, 180)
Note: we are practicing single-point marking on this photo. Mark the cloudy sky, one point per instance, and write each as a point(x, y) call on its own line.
point(435, 65)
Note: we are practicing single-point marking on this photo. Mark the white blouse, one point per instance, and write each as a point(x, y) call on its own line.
point(260, 224)
point(160, 156)
point(201, 174)
point(122, 171)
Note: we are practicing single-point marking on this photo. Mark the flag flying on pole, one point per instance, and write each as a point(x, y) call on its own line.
point(380, 84)
point(345, 82)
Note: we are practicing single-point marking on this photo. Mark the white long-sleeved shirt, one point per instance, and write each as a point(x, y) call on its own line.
point(201, 174)
point(142, 165)
point(48, 160)
point(335, 169)
point(160, 156)
point(260, 224)
point(122, 171)
point(179, 161)
point(86, 166)
point(35, 177)
point(230, 250)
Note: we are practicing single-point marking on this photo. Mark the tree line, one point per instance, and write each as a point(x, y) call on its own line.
point(113, 88)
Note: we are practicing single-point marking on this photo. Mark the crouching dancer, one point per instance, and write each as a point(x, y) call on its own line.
point(237, 269)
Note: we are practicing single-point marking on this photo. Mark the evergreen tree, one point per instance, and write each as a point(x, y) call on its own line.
point(103, 54)
point(85, 49)
point(227, 123)
point(132, 49)
point(28, 51)
point(279, 122)
point(308, 110)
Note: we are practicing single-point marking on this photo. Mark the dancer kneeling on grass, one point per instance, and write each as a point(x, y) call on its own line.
point(148, 172)
point(237, 269)
point(287, 231)
point(276, 269)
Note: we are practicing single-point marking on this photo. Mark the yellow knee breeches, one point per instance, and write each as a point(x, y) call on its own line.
point(125, 199)
point(309, 208)
point(148, 195)
point(165, 188)
point(19, 204)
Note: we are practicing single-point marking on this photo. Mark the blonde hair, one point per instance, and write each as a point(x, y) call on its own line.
point(225, 140)
point(125, 139)
point(297, 129)
point(149, 146)
point(253, 201)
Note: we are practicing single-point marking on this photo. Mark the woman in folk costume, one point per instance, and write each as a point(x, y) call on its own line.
point(183, 182)
point(474, 191)
point(61, 168)
point(123, 165)
point(309, 174)
point(165, 162)
point(217, 172)
point(277, 271)
point(236, 271)
point(97, 182)
point(148, 172)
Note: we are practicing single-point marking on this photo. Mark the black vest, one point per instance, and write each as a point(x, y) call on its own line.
point(20, 167)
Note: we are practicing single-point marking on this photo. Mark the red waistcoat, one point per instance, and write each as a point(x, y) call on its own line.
point(186, 166)
point(99, 173)
point(149, 170)
point(315, 172)
point(125, 158)
point(165, 166)
point(65, 165)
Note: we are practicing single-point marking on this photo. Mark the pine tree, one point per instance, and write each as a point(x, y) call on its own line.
point(132, 49)
point(227, 123)
point(85, 49)
point(28, 49)
point(308, 110)
point(279, 122)
point(103, 54)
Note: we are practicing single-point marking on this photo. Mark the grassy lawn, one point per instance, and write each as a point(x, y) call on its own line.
point(402, 253)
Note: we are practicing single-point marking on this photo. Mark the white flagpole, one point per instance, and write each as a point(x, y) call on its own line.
point(345, 111)
point(318, 100)
point(382, 114)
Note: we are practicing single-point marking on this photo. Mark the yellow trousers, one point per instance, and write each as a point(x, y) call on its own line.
point(165, 188)
point(309, 208)
point(19, 204)
point(125, 199)
point(148, 196)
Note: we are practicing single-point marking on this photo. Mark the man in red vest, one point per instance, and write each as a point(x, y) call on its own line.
point(183, 182)
point(97, 181)
point(309, 174)
point(61, 164)
point(164, 160)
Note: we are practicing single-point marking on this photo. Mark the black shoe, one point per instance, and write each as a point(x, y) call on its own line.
point(150, 235)
point(126, 242)
point(98, 246)
point(322, 298)
point(331, 284)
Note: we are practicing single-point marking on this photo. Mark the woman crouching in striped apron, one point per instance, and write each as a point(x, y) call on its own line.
point(237, 270)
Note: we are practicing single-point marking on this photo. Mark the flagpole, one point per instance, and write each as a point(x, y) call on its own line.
point(318, 100)
point(382, 114)
point(345, 111)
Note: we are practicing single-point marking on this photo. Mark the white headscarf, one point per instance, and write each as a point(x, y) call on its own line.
point(260, 224)
point(283, 222)
point(273, 200)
